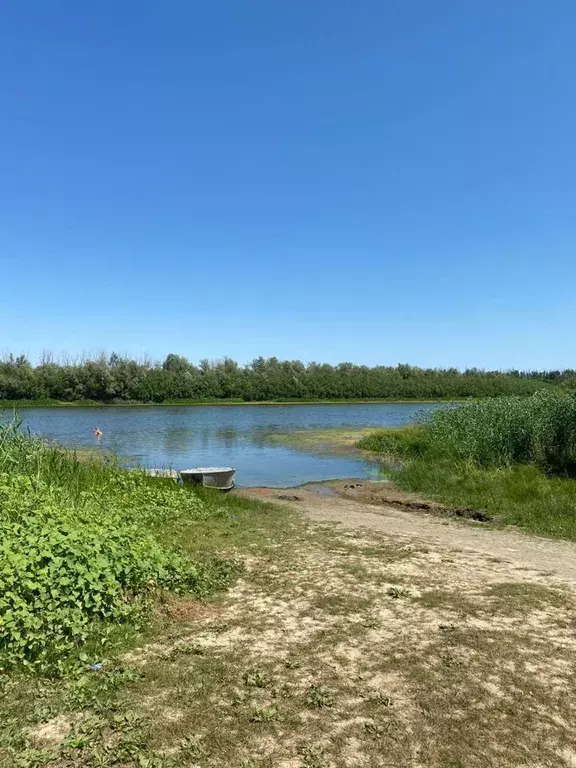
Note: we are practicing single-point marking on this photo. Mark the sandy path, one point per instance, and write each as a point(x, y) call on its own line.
point(521, 550)
point(393, 639)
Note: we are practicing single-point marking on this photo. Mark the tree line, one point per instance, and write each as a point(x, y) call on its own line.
point(120, 379)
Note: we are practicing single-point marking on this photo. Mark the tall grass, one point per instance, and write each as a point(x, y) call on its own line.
point(496, 432)
point(24, 453)
point(504, 431)
point(393, 441)
point(521, 495)
point(515, 457)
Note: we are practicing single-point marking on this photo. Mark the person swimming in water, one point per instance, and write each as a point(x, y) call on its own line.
point(97, 433)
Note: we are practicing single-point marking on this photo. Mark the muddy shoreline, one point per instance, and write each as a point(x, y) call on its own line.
point(370, 492)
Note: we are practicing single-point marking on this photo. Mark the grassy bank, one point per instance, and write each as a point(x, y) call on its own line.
point(46, 403)
point(95, 561)
point(513, 457)
point(86, 551)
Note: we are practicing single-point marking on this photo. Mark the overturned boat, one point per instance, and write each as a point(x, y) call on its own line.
point(221, 478)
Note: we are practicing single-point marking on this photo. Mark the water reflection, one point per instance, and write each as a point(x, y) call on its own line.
point(229, 436)
point(176, 439)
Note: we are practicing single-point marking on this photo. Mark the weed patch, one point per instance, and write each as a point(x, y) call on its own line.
point(319, 697)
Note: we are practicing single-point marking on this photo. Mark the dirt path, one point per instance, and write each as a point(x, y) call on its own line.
point(392, 640)
point(387, 640)
point(522, 550)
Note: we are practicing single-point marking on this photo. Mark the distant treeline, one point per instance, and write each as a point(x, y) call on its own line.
point(118, 379)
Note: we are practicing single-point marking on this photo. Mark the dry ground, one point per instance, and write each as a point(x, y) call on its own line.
point(391, 640)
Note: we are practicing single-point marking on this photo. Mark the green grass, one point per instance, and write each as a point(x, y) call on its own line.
point(513, 457)
point(203, 532)
point(324, 441)
point(395, 441)
point(495, 432)
point(522, 495)
point(504, 431)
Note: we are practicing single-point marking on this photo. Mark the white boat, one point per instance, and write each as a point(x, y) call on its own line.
point(210, 477)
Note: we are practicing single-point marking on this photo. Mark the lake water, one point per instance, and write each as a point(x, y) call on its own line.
point(236, 436)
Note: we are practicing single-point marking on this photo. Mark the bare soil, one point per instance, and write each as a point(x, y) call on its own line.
point(391, 639)
point(413, 520)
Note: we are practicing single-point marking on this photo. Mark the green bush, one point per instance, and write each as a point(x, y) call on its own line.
point(75, 558)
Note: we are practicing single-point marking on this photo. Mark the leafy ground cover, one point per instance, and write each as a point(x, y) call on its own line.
point(82, 550)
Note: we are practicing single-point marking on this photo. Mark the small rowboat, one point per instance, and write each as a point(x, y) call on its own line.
point(221, 478)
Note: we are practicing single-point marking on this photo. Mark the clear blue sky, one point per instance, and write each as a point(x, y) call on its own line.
point(373, 181)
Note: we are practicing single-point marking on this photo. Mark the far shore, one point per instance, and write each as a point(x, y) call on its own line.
point(20, 404)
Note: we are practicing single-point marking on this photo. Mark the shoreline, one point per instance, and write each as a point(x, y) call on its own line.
point(22, 404)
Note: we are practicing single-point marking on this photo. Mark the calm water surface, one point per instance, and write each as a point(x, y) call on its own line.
point(236, 436)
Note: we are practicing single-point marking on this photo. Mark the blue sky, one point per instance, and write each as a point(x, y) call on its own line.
point(377, 181)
